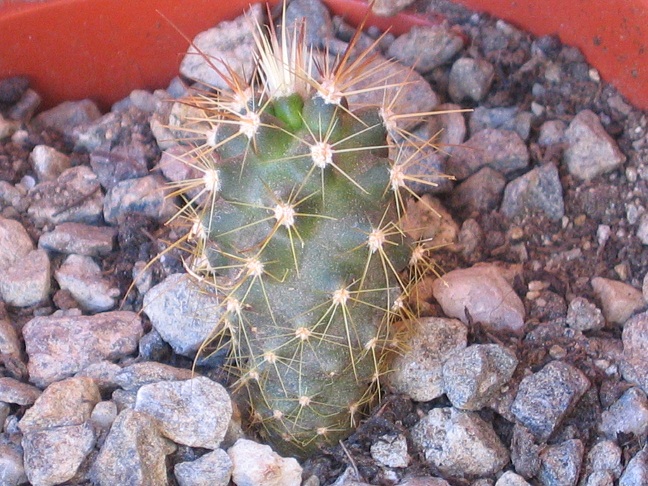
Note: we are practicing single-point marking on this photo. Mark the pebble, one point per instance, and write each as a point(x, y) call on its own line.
point(194, 412)
point(426, 220)
point(636, 472)
point(391, 450)
point(8, 127)
point(560, 463)
point(642, 229)
point(417, 372)
point(509, 478)
point(144, 196)
point(583, 315)
point(15, 243)
point(12, 470)
point(229, 43)
point(502, 150)
point(134, 376)
point(48, 162)
point(134, 453)
point(604, 456)
point(69, 115)
point(635, 359)
point(479, 193)
point(316, 19)
point(80, 239)
point(103, 373)
point(470, 79)
point(14, 391)
point(459, 443)
point(26, 282)
point(59, 346)
point(258, 465)
point(628, 415)
point(590, 150)
point(10, 345)
point(82, 277)
point(552, 132)
point(75, 196)
point(119, 163)
point(388, 8)
point(537, 191)
point(103, 415)
point(211, 469)
point(546, 397)
point(508, 118)
point(618, 299)
point(484, 293)
point(24, 109)
point(472, 376)
point(425, 48)
point(183, 312)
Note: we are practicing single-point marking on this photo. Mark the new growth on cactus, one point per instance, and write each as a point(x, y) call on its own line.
point(295, 224)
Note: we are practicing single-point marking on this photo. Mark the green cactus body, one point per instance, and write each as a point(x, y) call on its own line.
point(299, 235)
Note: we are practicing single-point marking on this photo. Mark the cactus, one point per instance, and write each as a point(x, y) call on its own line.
point(294, 221)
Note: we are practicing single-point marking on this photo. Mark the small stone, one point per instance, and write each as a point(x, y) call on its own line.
point(604, 456)
point(316, 20)
point(82, 277)
point(391, 451)
point(509, 118)
point(12, 89)
point(642, 229)
point(459, 443)
point(545, 398)
point(502, 150)
point(194, 412)
point(78, 238)
point(636, 472)
point(8, 127)
point(388, 8)
point(103, 415)
point(145, 195)
point(483, 293)
point(628, 415)
point(12, 470)
point(470, 78)
point(561, 463)
point(552, 132)
point(182, 312)
point(60, 346)
point(525, 452)
point(509, 478)
point(15, 243)
point(537, 191)
point(584, 316)
point(69, 115)
point(619, 300)
point(473, 375)
point(24, 109)
point(26, 282)
point(14, 391)
point(212, 469)
point(479, 193)
point(258, 465)
point(427, 220)
point(116, 164)
point(103, 373)
point(48, 162)
point(153, 348)
point(635, 351)
point(9, 343)
point(425, 48)
point(417, 372)
point(228, 44)
point(134, 376)
point(590, 150)
point(134, 453)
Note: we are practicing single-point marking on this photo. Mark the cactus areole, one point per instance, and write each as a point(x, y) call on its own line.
point(295, 224)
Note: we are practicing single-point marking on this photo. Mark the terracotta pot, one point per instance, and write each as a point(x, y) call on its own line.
point(103, 49)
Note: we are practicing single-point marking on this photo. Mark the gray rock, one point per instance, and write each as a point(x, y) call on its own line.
point(229, 43)
point(116, 164)
point(69, 115)
point(417, 372)
point(642, 229)
point(501, 150)
point(26, 282)
point(584, 315)
point(604, 456)
point(12, 470)
point(508, 118)
point(53, 456)
point(103, 373)
point(545, 398)
point(485, 294)
point(391, 450)
point(133, 454)
point(509, 478)
point(60, 346)
point(11, 196)
point(251, 463)
point(628, 415)
point(14, 391)
point(194, 412)
point(636, 472)
point(619, 300)
point(635, 358)
point(145, 195)
point(525, 452)
point(183, 312)
point(212, 469)
point(316, 18)
point(600, 478)
point(388, 8)
point(15, 243)
point(74, 196)
point(473, 375)
point(82, 277)
point(48, 162)
point(590, 150)
point(78, 238)
point(25, 108)
point(9, 344)
point(552, 132)
point(136, 375)
point(425, 48)
point(459, 443)
point(539, 190)
point(103, 415)
point(8, 127)
point(481, 192)
point(470, 78)
point(561, 463)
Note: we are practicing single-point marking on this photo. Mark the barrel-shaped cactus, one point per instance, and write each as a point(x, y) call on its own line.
point(295, 223)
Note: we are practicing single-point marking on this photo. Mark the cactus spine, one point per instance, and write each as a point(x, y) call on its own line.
point(295, 223)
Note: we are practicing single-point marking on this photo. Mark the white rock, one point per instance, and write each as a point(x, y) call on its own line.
point(212, 469)
point(619, 300)
point(12, 469)
point(15, 243)
point(509, 478)
point(258, 465)
point(82, 277)
point(48, 162)
point(26, 282)
point(391, 451)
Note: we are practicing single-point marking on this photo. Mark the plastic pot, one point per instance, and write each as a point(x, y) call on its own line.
point(72, 49)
